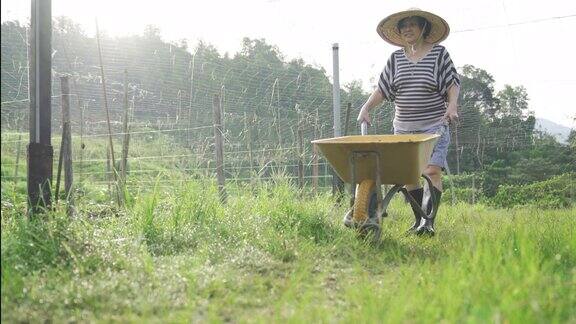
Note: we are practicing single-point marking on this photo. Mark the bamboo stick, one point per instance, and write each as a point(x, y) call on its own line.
point(111, 143)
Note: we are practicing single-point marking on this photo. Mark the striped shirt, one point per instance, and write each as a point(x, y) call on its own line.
point(419, 90)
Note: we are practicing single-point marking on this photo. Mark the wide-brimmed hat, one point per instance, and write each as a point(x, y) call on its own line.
point(388, 30)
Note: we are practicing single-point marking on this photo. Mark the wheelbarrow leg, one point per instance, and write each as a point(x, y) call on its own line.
point(417, 194)
point(386, 201)
point(382, 207)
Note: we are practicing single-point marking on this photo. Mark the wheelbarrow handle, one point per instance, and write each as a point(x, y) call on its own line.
point(364, 128)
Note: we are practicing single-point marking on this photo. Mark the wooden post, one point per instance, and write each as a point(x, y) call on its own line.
point(82, 146)
point(67, 141)
point(179, 107)
point(473, 189)
point(126, 140)
point(191, 96)
point(40, 151)
point(478, 150)
point(315, 156)
point(17, 159)
point(276, 113)
point(457, 149)
point(110, 142)
point(219, 145)
point(223, 105)
point(348, 109)
point(338, 183)
point(300, 154)
point(108, 168)
point(248, 129)
point(65, 154)
point(315, 168)
point(60, 160)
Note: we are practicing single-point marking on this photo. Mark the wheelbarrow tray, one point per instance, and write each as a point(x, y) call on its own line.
point(403, 158)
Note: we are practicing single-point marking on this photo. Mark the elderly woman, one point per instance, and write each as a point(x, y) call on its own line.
point(421, 80)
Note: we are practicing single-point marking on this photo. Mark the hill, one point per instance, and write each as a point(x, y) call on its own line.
point(559, 132)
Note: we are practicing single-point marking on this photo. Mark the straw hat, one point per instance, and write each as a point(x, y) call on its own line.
point(387, 28)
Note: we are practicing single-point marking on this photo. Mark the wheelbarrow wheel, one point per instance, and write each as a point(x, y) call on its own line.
point(365, 202)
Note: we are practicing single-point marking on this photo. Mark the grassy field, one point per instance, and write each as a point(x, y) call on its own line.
point(270, 254)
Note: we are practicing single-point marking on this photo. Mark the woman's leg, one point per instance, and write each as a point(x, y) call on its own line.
point(434, 172)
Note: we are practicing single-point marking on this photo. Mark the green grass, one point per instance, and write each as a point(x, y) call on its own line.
point(271, 254)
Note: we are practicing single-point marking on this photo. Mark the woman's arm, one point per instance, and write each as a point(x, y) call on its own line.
point(374, 100)
point(451, 114)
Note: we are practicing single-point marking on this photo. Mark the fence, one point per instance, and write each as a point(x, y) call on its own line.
point(271, 110)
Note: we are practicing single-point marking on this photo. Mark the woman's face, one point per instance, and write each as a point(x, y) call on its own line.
point(410, 30)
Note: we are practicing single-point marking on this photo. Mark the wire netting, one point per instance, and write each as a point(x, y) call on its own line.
point(170, 88)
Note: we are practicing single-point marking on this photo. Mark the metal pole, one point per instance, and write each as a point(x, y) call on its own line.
point(337, 184)
point(336, 90)
point(40, 151)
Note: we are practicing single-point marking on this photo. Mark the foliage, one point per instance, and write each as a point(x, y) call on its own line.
point(556, 192)
point(174, 82)
point(465, 187)
point(543, 159)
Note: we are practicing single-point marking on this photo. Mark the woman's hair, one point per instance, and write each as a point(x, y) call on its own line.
point(423, 23)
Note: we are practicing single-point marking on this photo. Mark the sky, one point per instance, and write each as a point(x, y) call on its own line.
point(519, 42)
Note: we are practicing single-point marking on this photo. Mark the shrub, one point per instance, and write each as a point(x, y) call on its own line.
point(465, 187)
point(556, 192)
point(466, 195)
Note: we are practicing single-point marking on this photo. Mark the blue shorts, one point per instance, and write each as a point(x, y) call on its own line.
point(440, 151)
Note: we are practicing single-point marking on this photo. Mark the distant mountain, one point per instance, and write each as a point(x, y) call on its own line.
point(560, 132)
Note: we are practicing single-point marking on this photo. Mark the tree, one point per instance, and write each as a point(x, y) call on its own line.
point(476, 102)
point(512, 102)
point(495, 135)
point(572, 136)
point(354, 94)
point(477, 89)
point(572, 139)
point(152, 32)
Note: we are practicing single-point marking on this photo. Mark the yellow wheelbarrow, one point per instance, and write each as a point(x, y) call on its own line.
point(368, 161)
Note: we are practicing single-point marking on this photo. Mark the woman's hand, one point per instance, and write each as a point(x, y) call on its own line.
point(451, 115)
point(364, 116)
point(375, 99)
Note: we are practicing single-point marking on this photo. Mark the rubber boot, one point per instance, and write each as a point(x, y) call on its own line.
point(347, 220)
point(417, 194)
point(427, 226)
